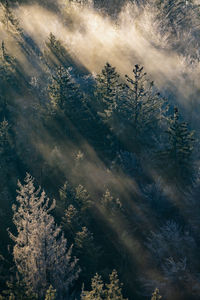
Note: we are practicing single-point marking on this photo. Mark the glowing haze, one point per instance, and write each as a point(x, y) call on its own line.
point(134, 37)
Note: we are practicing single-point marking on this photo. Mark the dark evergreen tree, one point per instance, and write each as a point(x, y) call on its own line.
point(7, 78)
point(68, 103)
point(178, 157)
point(140, 113)
point(55, 53)
point(107, 90)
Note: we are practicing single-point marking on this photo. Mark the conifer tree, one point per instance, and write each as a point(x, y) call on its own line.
point(67, 101)
point(5, 139)
point(50, 294)
point(62, 90)
point(140, 112)
point(40, 252)
point(97, 292)
point(114, 288)
point(55, 54)
point(178, 156)
point(156, 295)
point(7, 74)
point(107, 90)
point(110, 291)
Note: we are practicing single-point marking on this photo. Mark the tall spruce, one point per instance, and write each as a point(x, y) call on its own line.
point(55, 53)
point(178, 156)
point(107, 89)
point(140, 112)
point(62, 91)
point(67, 101)
point(40, 250)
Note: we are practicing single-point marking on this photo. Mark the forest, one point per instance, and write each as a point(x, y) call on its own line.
point(99, 150)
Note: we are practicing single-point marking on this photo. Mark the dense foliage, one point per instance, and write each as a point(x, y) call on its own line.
point(118, 154)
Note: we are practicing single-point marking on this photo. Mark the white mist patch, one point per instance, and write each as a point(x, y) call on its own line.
point(135, 37)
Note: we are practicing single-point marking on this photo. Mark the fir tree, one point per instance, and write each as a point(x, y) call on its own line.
point(114, 288)
point(67, 102)
point(97, 292)
point(50, 294)
point(178, 156)
point(5, 138)
point(40, 252)
point(62, 90)
point(140, 112)
point(156, 295)
point(107, 93)
point(107, 90)
point(7, 75)
point(110, 291)
point(55, 53)
point(111, 204)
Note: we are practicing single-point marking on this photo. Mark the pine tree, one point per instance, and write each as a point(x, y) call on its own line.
point(114, 288)
point(50, 294)
point(178, 156)
point(67, 102)
point(40, 252)
point(110, 291)
point(55, 53)
point(156, 295)
point(111, 204)
point(7, 75)
point(97, 292)
point(62, 90)
point(5, 139)
point(107, 90)
point(140, 112)
point(107, 93)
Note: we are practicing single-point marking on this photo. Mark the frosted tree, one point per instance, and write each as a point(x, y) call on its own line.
point(170, 241)
point(172, 250)
point(114, 288)
point(99, 291)
point(156, 295)
point(111, 204)
point(40, 250)
point(50, 294)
